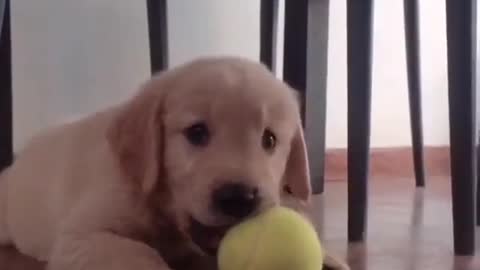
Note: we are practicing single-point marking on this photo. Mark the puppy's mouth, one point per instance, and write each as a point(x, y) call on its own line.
point(207, 237)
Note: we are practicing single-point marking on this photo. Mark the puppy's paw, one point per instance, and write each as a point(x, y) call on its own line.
point(104, 251)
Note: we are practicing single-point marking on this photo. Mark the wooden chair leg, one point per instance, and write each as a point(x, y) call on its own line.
point(461, 45)
point(305, 68)
point(414, 87)
point(3, 4)
point(6, 140)
point(359, 46)
point(158, 34)
point(268, 22)
point(478, 183)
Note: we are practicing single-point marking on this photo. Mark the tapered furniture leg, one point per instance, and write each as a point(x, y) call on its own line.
point(359, 65)
point(157, 34)
point(414, 87)
point(461, 45)
point(6, 138)
point(268, 23)
point(305, 69)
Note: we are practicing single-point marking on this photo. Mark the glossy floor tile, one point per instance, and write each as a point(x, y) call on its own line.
point(409, 228)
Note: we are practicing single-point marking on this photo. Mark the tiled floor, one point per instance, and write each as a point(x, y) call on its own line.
point(409, 229)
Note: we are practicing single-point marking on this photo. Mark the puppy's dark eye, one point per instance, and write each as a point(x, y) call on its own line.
point(198, 134)
point(269, 141)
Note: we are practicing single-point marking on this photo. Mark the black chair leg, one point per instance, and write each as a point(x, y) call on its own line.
point(478, 181)
point(359, 46)
point(157, 34)
point(414, 87)
point(268, 23)
point(305, 68)
point(461, 45)
point(3, 4)
point(6, 140)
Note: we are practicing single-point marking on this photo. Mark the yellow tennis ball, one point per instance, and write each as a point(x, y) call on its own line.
point(279, 239)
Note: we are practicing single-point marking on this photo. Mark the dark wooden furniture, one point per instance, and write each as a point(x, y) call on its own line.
point(6, 138)
point(359, 46)
point(461, 47)
point(305, 68)
point(157, 34)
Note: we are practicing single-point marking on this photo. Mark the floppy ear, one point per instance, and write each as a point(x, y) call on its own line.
point(136, 138)
point(297, 172)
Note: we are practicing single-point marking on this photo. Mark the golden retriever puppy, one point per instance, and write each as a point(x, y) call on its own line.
point(154, 183)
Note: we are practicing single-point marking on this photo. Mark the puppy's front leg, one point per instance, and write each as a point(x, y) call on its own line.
point(103, 251)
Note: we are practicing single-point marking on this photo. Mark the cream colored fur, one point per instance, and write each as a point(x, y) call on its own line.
point(92, 194)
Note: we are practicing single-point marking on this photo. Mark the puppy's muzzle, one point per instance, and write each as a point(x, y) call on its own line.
point(236, 200)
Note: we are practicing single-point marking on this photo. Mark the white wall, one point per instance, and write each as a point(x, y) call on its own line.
point(213, 27)
point(390, 115)
point(73, 57)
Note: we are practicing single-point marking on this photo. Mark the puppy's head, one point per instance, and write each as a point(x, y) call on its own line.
point(216, 140)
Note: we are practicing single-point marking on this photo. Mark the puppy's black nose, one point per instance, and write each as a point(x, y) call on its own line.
point(236, 200)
